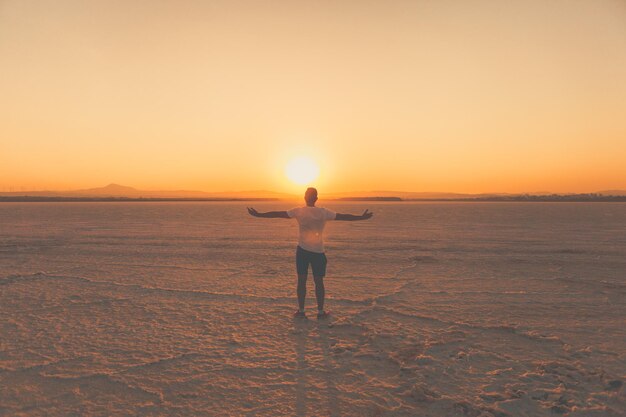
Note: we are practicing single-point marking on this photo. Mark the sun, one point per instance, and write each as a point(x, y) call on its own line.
point(302, 170)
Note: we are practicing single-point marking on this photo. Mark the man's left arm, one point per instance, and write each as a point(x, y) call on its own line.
point(351, 217)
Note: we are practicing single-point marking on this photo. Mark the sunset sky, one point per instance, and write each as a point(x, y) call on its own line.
point(460, 96)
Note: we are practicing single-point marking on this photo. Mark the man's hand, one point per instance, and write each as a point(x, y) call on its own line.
point(253, 212)
point(366, 214)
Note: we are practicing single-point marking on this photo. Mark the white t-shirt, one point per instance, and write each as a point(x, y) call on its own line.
point(312, 221)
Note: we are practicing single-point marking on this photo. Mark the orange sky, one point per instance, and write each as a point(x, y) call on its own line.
point(401, 95)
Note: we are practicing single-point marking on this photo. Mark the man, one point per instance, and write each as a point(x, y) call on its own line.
point(310, 250)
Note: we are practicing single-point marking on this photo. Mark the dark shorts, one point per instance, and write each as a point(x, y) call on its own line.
point(316, 260)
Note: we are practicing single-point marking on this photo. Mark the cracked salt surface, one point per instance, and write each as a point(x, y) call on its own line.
point(438, 310)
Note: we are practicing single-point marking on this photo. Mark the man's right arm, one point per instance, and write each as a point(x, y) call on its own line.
point(269, 214)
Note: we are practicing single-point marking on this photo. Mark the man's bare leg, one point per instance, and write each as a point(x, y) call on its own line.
point(301, 291)
point(319, 293)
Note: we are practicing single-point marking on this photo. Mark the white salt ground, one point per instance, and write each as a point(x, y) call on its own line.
point(182, 309)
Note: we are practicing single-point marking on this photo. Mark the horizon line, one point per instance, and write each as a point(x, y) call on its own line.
point(351, 193)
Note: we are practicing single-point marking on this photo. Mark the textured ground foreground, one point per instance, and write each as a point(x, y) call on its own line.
point(183, 310)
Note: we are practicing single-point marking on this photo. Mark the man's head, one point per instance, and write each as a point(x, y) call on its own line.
point(310, 196)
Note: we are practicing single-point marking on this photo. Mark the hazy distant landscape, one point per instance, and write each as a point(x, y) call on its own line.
point(116, 192)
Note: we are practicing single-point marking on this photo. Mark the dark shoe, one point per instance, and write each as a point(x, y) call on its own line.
point(323, 315)
point(299, 315)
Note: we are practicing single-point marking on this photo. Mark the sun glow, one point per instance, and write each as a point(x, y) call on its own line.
point(302, 170)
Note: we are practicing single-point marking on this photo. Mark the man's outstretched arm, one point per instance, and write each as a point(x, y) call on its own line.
point(351, 217)
point(269, 214)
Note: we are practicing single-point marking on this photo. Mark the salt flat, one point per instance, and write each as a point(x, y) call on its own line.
point(439, 309)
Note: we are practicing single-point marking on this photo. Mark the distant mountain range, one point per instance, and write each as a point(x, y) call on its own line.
point(117, 190)
point(121, 191)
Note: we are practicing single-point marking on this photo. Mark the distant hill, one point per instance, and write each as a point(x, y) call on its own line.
point(111, 190)
point(116, 190)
